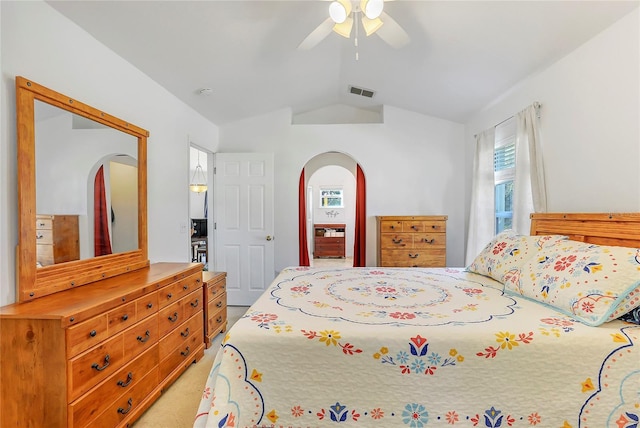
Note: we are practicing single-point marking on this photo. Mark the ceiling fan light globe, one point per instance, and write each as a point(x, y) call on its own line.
point(339, 10)
point(344, 28)
point(371, 25)
point(372, 9)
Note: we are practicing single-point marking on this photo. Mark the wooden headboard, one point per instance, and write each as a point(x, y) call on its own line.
point(620, 229)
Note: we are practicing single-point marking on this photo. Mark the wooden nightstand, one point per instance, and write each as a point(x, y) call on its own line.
point(215, 305)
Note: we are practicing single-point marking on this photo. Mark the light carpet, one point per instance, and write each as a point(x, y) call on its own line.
point(177, 407)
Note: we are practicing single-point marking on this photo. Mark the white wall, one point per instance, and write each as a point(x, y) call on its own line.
point(589, 122)
point(412, 164)
point(39, 43)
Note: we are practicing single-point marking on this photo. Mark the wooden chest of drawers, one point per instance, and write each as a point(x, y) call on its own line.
point(329, 240)
point(57, 239)
point(99, 355)
point(215, 305)
point(414, 241)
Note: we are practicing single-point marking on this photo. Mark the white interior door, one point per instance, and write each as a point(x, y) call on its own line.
point(243, 192)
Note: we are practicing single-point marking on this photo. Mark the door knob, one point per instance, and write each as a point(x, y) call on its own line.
point(269, 237)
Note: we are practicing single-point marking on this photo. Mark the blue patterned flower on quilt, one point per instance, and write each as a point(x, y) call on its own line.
point(494, 418)
point(415, 415)
point(418, 359)
point(337, 413)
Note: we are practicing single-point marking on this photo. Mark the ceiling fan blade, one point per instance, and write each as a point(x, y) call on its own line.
point(392, 33)
point(317, 35)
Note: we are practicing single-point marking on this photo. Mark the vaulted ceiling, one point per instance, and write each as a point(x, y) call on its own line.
point(461, 54)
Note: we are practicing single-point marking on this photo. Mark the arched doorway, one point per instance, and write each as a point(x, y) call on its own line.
point(343, 178)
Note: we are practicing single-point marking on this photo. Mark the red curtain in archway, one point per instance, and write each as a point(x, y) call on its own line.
point(102, 243)
point(360, 233)
point(302, 223)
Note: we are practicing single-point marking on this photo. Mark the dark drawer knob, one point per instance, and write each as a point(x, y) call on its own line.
point(195, 303)
point(185, 287)
point(185, 352)
point(126, 383)
point(185, 333)
point(169, 296)
point(174, 318)
point(428, 241)
point(414, 227)
point(93, 333)
point(219, 304)
point(125, 317)
point(149, 305)
point(219, 319)
point(146, 337)
point(125, 411)
point(414, 256)
point(104, 366)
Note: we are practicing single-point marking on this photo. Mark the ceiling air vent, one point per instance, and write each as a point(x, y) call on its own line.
point(361, 91)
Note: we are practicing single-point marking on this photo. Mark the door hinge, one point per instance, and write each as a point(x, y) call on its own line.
point(215, 226)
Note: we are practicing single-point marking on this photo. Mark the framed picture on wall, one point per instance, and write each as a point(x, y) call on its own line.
point(331, 197)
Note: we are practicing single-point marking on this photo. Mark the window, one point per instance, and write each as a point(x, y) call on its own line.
point(504, 168)
point(331, 198)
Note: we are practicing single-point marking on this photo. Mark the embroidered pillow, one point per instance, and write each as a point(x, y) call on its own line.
point(590, 283)
point(508, 251)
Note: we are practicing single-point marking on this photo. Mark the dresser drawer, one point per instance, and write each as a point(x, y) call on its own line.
point(140, 337)
point(128, 403)
point(44, 253)
point(216, 289)
point(174, 315)
point(413, 258)
point(217, 321)
point(147, 305)
point(216, 304)
point(122, 317)
point(429, 240)
point(86, 334)
point(175, 291)
point(44, 222)
point(83, 411)
point(390, 226)
point(91, 367)
point(173, 340)
point(181, 354)
point(170, 318)
point(44, 236)
point(396, 240)
point(193, 303)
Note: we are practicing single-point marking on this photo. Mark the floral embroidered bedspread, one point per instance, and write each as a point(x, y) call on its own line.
point(396, 347)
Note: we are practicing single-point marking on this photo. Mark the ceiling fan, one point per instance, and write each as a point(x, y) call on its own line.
point(344, 15)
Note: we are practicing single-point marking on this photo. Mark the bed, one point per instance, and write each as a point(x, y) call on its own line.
point(530, 334)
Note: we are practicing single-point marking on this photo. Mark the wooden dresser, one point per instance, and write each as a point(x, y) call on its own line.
point(415, 241)
point(100, 354)
point(215, 305)
point(329, 240)
point(57, 239)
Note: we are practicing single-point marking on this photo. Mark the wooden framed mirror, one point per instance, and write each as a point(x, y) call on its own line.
point(70, 156)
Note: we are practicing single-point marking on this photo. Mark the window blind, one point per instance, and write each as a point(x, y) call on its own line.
point(504, 157)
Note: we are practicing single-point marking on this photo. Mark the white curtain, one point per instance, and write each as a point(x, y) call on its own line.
point(481, 213)
point(529, 193)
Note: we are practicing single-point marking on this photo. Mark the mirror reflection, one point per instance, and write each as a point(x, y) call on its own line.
point(86, 187)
